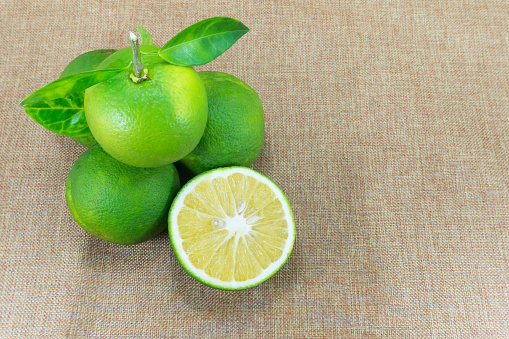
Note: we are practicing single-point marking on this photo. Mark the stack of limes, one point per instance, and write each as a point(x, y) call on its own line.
point(140, 110)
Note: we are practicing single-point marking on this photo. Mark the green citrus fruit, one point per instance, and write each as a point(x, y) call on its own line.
point(152, 123)
point(119, 203)
point(235, 125)
point(231, 228)
point(83, 63)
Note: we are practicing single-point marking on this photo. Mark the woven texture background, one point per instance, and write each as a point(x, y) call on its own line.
point(387, 125)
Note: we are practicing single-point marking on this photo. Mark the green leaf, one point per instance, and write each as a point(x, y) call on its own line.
point(86, 62)
point(58, 106)
point(63, 115)
point(71, 84)
point(146, 38)
point(202, 42)
point(83, 63)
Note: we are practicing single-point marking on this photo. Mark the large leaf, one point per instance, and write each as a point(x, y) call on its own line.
point(202, 42)
point(83, 63)
point(63, 115)
point(146, 38)
point(69, 85)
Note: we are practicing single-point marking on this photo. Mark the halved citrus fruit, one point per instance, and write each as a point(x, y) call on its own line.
point(231, 228)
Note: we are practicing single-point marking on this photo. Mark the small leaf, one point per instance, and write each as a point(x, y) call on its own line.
point(71, 84)
point(64, 116)
point(202, 42)
point(146, 38)
point(86, 62)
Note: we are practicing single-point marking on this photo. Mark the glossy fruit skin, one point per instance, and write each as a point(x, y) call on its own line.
point(83, 63)
point(235, 127)
point(119, 203)
point(152, 123)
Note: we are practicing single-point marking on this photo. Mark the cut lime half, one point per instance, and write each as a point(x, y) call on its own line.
point(231, 228)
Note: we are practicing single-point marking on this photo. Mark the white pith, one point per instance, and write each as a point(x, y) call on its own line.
point(237, 226)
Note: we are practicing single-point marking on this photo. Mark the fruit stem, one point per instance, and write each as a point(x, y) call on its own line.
point(139, 73)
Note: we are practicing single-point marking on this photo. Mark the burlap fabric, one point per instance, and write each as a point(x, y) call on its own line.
point(387, 125)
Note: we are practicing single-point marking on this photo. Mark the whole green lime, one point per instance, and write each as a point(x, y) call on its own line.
point(152, 123)
point(235, 125)
point(83, 63)
point(119, 203)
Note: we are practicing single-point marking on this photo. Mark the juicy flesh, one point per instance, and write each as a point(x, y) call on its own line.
point(232, 228)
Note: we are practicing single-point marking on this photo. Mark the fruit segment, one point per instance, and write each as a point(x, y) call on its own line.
point(202, 247)
point(193, 223)
point(246, 267)
point(263, 197)
point(203, 200)
point(233, 228)
point(259, 254)
point(225, 196)
point(242, 186)
point(222, 263)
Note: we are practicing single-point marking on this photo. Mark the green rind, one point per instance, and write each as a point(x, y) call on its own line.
point(234, 133)
point(152, 123)
point(119, 203)
point(181, 261)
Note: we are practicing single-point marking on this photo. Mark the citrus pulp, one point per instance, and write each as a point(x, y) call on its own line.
point(231, 228)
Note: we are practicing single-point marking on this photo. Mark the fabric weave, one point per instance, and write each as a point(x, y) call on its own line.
point(387, 126)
